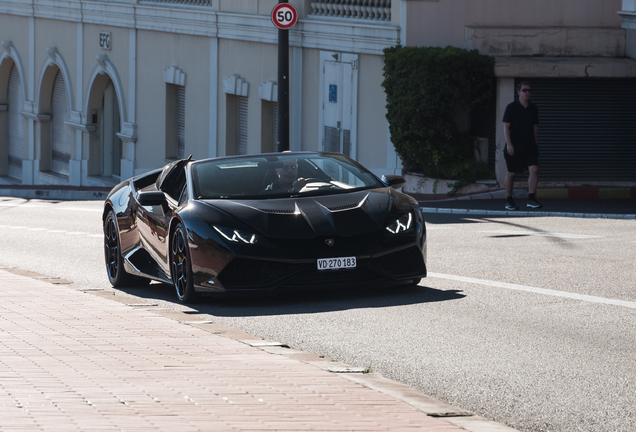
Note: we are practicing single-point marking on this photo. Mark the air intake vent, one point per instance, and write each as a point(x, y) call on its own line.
point(344, 207)
point(277, 211)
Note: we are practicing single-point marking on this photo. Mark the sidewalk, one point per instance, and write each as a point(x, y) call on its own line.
point(89, 360)
point(493, 204)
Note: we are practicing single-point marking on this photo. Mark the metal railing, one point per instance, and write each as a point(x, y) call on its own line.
point(377, 10)
point(184, 2)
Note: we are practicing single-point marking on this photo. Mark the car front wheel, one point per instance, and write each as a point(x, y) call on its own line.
point(112, 253)
point(180, 266)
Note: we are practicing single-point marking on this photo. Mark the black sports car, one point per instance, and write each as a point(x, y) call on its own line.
point(266, 222)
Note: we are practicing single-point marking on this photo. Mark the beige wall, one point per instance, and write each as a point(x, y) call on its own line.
point(442, 23)
point(118, 54)
point(61, 35)
point(311, 97)
point(157, 52)
point(256, 63)
point(153, 59)
point(372, 123)
point(18, 29)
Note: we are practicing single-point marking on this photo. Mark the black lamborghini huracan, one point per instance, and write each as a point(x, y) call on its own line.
point(265, 222)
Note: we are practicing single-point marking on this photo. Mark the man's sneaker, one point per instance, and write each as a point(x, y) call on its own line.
point(510, 205)
point(533, 204)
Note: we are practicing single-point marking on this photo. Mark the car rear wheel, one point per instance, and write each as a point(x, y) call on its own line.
point(112, 253)
point(180, 266)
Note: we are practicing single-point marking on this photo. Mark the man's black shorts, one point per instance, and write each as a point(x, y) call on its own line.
point(521, 159)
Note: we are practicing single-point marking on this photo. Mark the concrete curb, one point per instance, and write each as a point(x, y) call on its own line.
point(527, 213)
point(587, 192)
point(63, 193)
point(559, 193)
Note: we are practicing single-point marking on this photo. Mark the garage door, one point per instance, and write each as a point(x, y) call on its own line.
point(60, 133)
point(587, 128)
point(16, 125)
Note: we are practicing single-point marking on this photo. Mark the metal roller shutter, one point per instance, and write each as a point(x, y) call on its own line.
point(587, 130)
point(332, 139)
point(180, 122)
point(16, 125)
point(242, 125)
point(346, 142)
point(60, 133)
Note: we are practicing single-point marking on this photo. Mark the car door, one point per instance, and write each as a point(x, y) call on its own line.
point(155, 229)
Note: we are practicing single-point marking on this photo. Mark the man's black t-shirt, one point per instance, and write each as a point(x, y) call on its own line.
point(522, 121)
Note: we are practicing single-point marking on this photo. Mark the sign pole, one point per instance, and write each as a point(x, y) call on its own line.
point(282, 143)
point(283, 90)
point(284, 17)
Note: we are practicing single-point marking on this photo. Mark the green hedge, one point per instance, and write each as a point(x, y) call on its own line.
point(424, 86)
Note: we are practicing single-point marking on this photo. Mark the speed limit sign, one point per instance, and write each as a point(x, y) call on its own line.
point(284, 16)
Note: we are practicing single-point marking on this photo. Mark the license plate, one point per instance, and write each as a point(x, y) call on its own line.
point(336, 263)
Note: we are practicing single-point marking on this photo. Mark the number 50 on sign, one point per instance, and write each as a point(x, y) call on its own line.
point(284, 16)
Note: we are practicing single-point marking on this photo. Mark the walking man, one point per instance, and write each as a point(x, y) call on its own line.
point(521, 120)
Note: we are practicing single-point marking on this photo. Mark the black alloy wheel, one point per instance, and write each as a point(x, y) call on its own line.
point(180, 266)
point(112, 253)
point(114, 261)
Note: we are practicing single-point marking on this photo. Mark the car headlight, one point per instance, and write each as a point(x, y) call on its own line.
point(404, 223)
point(236, 236)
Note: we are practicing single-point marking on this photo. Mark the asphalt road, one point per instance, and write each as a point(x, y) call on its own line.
point(526, 321)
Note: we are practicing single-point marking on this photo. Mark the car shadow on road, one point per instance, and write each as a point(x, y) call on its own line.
point(440, 220)
point(302, 302)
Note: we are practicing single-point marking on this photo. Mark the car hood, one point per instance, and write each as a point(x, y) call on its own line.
point(345, 215)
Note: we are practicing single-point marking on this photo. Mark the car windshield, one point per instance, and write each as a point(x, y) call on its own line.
point(280, 175)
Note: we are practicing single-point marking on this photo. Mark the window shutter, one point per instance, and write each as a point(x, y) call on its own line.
point(242, 125)
point(586, 128)
point(60, 133)
point(180, 122)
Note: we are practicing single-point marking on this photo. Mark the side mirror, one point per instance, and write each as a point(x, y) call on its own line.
point(151, 198)
point(395, 181)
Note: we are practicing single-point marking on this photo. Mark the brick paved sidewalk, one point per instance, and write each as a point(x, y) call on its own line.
point(73, 361)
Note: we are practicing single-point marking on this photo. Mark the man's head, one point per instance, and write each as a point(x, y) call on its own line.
point(524, 91)
point(288, 173)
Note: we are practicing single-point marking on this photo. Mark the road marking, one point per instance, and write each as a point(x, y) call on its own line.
point(49, 206)
point(544, 291)
point(544, 234)
point(97, 210)
point(52, 231)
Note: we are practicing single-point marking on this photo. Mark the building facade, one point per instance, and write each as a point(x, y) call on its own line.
point(92, 92)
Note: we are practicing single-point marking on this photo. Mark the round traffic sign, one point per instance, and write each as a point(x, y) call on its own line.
point(284, 16)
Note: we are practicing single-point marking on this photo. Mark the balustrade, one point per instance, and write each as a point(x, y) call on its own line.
point(183, 2)
point(377, 10)
point(372, 10)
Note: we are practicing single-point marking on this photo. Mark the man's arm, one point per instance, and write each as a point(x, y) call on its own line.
point(536, 134)
point(509, 147)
